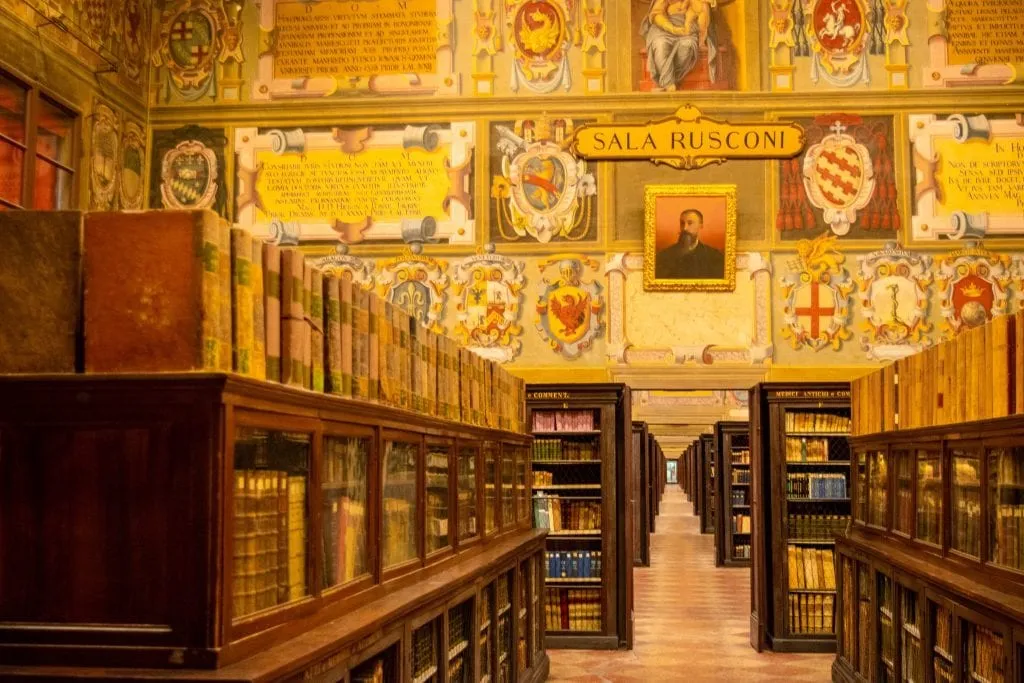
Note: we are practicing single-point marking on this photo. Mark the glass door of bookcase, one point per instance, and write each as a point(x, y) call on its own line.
point(400, 501)
point(816, 470)
point(505, 625)
point(523, 653)
point(1006, 505)
point(492, 452)
point(911, 650)
point(508, 480)
point(965, 499)
point(485, 617)
point(886, 637)
point(984, 644)
point(438, 479)
point(460, 640)
point(468, 487)
point(344, 483)
point(942, 636)
point(736, 457)
point(424, 650)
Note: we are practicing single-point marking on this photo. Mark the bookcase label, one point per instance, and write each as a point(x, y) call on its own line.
point(549, 395)
point(813, 393)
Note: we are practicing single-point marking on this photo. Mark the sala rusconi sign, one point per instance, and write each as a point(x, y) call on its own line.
point(688, 140)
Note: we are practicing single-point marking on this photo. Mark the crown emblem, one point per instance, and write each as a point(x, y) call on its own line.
point(972, 290)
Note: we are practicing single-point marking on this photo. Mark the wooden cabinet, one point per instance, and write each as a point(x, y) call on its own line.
point(708, 483)
point(733, 522)
point(931, 583)
point(235, 529)
point(800, 470)
point(641, 512)
point(583, 492)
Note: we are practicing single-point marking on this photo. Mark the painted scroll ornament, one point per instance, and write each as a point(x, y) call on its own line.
point(974, 283)
point(488, 290)
point(569, 309)
point(418, 284)
point(894, 289)
point(816, 295)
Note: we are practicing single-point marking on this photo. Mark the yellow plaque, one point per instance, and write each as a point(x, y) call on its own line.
point(688, 140)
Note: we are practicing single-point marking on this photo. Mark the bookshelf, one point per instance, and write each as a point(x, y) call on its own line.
point(262, 532)
point(733, 522)
point(582, 488)
point(653, 482)
point(708, 483)
point(800, 470)
point(641, 498)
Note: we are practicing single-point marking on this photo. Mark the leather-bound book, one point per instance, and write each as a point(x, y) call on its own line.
point(40, 290)
point(153, 299)
point(272, 308)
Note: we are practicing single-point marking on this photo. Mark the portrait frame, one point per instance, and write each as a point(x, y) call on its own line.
point(718, 202)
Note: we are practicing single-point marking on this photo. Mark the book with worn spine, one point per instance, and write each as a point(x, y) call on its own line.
point(243, 319)
point(259, 318)
point(316, 328)
point(333, 373)
point(373, 313)
point(307, 328)
point(272, 308)
point(293, 318)
point(345, 286)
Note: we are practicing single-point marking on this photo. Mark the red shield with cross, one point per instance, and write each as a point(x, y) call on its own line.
point(814, 303)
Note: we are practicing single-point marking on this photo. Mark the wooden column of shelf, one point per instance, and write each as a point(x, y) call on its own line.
point(610, 406)
point(641, 512)
point(708, 484)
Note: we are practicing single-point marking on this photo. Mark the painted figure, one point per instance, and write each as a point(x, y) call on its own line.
point(689, 258)
point(675, 31)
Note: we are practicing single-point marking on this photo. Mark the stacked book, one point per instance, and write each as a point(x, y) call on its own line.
point(575, 564)
point(573, 609)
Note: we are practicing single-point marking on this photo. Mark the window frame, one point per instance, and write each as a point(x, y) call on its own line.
point(35, 95)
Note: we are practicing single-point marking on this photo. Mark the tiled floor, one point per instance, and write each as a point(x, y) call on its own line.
point(692, 620)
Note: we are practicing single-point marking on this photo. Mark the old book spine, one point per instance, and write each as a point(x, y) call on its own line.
point(281, 519)
point(242, 301)
point(404, 359)
point(360, 356)
point(41, 291)
point(333, 371)
point(293, 319)
point(307, 328)
point(226, 355)
point(1018, 360)
point(1000, 377)
point(373, 315)
point(385, 329)
point(259, 311)
point(316, 328)
point(345, 286)
point(272, 309)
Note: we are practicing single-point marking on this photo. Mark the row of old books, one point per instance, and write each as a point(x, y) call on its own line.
point(559, 449)
point(573, 609)
point(811, 568)
point(577, 564)
point(171, 291)
point(270, 529)
point(806, 449)
point(741, 523)
point(816, 527)
point(563, 421)
point(817, 423)
point(986, 654)
point(810, 613)
point(977, 375)
point(815, 485)
point(425, 641)
point(557, 515)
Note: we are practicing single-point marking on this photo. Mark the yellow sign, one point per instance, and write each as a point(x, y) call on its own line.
point(981, 176)
point(688, 140)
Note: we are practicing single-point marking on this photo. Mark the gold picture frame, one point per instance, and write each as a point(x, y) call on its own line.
point(676, 264)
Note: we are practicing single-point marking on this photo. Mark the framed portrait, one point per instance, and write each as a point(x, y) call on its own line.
point(690, 238)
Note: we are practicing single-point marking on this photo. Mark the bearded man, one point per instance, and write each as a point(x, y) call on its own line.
point(689, 258)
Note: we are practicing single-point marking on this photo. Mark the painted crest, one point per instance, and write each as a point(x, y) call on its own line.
point(543, 190)
point(489, 291)
point(188, 176)
point(569, 309)
point(974, 285)
point(816, 295)
point(132, 36)
point(540, 36)
point(838, 36)
point(418, 284)
point(103, 159)
point(359, 269)
point(894, 290)
point(97, 18)
point(838, 177)
point(133, 166)
point(190, 42)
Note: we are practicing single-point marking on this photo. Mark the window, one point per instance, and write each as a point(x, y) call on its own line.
point(37, 148)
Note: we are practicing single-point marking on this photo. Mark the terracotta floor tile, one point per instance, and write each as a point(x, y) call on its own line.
point(691, 620)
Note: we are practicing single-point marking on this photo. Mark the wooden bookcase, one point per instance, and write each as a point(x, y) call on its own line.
point(655, 491)
point(582, 472)
point(708, 483)
point(800, 457)
point(693, 476)
point(930, 575)
point(641, 513)
point(733, 522)
point(213, 527)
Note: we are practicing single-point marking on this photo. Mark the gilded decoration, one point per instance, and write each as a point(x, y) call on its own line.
point(570, 307)
point(359, 269)
point(816, 296)
point(418, 284)
point(489, 289)
point(540, 190)
point(894, 289)
point(103, 158)
point(974, 284)
point(690, 238)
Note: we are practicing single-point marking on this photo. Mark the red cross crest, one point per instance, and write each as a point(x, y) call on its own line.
point(809, 307)
point(182, 30)
point(199, 53)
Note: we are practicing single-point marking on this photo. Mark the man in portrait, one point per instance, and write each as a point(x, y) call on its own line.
point(689, 258)
point(675, 31)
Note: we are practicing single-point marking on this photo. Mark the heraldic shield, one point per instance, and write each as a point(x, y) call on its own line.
point(568, 310)
point(489, 288)
point(839, 178)
point(188, 176)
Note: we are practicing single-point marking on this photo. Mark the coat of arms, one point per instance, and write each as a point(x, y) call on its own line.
point(103, 158)
point(839, 178)
point(191, 41)
point(132, 35)
point(569, 309)
point(188, 176)
point(542, 190)
point(541, 37)
point(838, 33)
point(816, 296)
point(894, 290)
point(133, 165)
point(974, 285)
point(489, 288)
point(418, 284)
point(359, 269)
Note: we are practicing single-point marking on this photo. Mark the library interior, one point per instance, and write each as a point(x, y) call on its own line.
point(494, 341)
